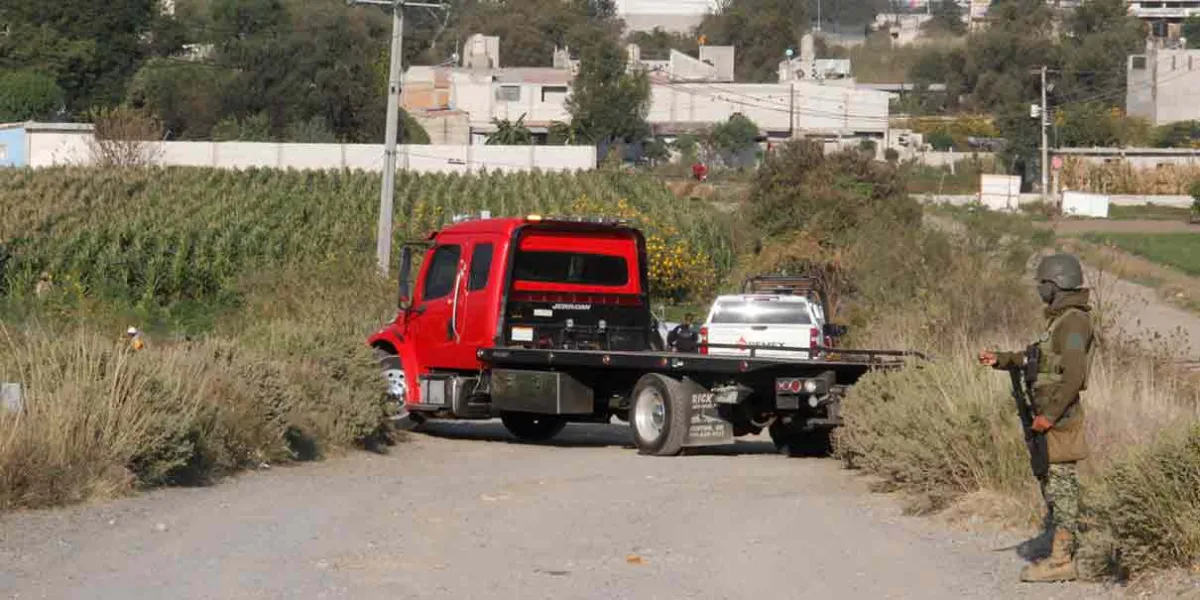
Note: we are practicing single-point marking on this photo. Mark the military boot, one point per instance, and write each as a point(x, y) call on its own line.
point(1059, 566)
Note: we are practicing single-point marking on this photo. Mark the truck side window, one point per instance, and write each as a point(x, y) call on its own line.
point(439, 280)
point(481, 265)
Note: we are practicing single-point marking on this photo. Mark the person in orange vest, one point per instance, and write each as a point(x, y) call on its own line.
point(135, 338)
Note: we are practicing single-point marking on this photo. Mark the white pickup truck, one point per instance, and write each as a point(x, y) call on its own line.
point(763, 321)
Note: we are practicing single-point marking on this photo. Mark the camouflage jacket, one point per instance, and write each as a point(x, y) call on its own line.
point(1067, 344)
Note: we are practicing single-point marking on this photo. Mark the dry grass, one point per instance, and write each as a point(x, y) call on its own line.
point(288, 379)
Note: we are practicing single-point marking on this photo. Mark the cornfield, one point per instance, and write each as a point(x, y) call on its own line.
point(163, 235)
point(1123, 178)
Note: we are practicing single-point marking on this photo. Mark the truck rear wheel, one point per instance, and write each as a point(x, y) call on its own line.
point(530, 427)
point(658, 415)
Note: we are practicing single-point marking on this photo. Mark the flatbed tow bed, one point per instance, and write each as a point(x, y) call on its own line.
point(698, 363)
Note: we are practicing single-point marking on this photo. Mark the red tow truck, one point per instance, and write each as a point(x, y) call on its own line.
point(544, 321)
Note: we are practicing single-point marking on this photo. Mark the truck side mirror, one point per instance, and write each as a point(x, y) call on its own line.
point(404, 299)
point(833, 330)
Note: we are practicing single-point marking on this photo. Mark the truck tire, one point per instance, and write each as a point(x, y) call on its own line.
point(658, 415)
point(530, 427)
point(794, 441)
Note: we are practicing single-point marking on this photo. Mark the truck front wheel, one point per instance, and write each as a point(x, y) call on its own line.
point(529, 427)
point(659, 415)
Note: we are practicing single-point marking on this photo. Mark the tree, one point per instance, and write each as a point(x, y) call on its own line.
point(303, 61)
point(761, 30)
point(1191, 31)
point(186, 97)
point(657, 44)
point(1099, 37)
point(998, 75)
point(530, 30)
point(510, 133)
point(800, 189)
point(1086, 125)
point(733, 139)
point(28, 95)
point(947, 19)
point(91, 48)
point(124, 137)
point(607, 103)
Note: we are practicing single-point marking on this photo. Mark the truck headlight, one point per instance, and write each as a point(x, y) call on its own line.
point(810, 386)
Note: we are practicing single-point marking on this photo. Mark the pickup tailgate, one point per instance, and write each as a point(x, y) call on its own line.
point(764, 324)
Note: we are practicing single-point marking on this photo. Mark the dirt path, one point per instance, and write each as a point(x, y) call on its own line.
point(463, 513)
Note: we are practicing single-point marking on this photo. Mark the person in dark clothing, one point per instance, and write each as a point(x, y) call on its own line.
point(685, 337)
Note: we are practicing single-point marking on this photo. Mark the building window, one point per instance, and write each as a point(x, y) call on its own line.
point(508, 93)
point(1139, 63)
point(553, 92)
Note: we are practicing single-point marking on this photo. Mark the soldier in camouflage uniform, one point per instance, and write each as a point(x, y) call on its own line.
point(1066, 346)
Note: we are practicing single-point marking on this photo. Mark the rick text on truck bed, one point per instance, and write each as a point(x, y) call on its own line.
point(545, 321)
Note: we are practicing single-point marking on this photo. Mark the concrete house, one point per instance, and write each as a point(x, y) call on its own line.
point(1161, 85)
point(457, 104)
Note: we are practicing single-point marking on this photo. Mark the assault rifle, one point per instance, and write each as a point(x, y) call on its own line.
point(1023, 378)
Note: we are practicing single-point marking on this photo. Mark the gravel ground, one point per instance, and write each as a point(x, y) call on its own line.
point(463, 512)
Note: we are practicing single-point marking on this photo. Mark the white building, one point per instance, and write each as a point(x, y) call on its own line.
point(1161, 85)
point(458, 104)
point(1165, 17)
point(33, 144)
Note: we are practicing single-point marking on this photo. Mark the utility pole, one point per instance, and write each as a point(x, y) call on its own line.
point(792, 109)
point(383, 241)
point(1045, 151)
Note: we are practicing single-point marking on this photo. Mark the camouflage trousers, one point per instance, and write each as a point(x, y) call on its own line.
point(1060, 489)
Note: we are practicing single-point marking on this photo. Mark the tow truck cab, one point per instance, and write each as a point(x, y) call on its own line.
point(532, 282)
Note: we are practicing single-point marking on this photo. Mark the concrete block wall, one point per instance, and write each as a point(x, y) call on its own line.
point(368, 157)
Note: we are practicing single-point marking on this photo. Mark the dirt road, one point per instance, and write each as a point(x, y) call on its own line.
point(463, 512)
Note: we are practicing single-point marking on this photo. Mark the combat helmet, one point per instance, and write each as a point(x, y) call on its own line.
point(1062, 269)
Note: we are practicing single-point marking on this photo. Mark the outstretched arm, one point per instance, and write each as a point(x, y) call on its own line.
point(1001, 360)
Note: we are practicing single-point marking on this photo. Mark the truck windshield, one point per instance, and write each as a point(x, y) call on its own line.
point(570, 267)
point(761, 312)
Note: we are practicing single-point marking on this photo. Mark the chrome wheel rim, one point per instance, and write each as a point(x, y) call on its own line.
point(396, 385)
point(650, 416)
